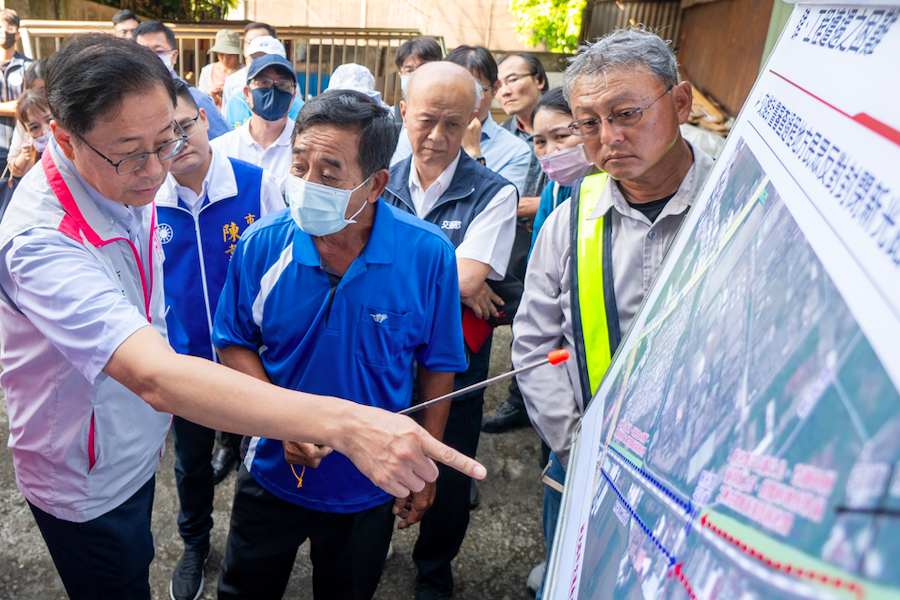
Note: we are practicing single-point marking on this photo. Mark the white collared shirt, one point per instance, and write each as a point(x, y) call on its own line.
point(276, 159)
point(424, 199)
point(218, 184)
point(489, 237)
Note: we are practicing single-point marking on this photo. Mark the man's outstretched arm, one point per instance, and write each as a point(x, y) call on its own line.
point(393, 451)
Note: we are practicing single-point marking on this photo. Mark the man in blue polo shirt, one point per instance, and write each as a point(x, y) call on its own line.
point(328, 297)
point(204, 206)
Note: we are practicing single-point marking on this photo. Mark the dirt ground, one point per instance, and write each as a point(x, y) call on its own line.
point(503, 543)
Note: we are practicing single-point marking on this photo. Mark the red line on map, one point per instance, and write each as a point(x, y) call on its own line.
point(678, 573)
point(870, 123)
point(786, 568)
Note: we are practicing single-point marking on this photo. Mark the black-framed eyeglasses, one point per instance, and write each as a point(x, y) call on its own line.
point(130, 164)
point(513, 79)
point(285, 85)
point(191, 126)
point(624, 117)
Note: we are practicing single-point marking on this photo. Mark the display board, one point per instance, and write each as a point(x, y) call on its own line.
point(745, 442)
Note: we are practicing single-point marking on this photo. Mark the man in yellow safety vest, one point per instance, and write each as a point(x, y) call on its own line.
point(598, 253)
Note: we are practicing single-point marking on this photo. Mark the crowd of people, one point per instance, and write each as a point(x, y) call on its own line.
point(313, 254)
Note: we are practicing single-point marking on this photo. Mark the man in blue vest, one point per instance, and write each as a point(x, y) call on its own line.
point(204, 206)
point(347, 296)
point(476, 209)
point(585, 284)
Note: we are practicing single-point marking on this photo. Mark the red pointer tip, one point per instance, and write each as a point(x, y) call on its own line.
point(558, 356)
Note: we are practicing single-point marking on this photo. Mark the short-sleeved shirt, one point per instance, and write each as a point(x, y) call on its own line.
point(276, 159)
point(396, 303)
point(489, 237)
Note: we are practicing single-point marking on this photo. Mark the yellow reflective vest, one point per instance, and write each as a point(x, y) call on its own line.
point(594, 312)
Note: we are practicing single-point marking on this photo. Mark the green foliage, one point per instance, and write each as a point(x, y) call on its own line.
point(177, 10)
point(556, 23)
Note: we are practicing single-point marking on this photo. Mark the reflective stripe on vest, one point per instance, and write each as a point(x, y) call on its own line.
point(596, 318)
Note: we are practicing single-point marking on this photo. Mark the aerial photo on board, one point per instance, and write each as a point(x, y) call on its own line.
point(755, 436)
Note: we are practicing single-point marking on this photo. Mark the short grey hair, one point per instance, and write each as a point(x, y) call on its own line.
point(479, 93)
point(623, 48)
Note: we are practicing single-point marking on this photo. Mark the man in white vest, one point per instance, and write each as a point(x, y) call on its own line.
point(91, 383)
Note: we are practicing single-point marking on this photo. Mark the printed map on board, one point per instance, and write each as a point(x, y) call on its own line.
point(745, 442)
point(755, 442)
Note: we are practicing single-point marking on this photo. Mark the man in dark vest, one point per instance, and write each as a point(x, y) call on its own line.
point(476, 209)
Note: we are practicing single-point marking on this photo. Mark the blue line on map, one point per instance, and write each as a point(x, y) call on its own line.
point(688, 509)
point(639, 521)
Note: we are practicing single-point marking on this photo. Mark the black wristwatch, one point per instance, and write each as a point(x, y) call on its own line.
point(481, 160)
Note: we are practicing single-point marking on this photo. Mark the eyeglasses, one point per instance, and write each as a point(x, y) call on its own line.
point(285, 85)
point(190, 127)
point(513, 79)
point(624, 117)
point(133, 163)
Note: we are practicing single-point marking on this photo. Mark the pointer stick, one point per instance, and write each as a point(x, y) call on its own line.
point(554, 358)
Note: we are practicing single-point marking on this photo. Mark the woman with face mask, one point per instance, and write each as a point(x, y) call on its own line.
point(560, 152)
point(33, 114)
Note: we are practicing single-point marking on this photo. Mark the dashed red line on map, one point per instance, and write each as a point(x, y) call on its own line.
point(784, 567)
point(678, 573)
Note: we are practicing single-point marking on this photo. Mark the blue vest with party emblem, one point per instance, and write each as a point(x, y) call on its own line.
point(198, 246)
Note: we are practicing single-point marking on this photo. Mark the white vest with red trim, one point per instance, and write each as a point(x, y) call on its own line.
point(80, 450)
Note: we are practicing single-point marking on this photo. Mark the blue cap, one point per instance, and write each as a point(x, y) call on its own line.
point(270, 60)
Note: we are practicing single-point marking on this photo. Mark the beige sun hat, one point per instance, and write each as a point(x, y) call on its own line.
point(227, 42)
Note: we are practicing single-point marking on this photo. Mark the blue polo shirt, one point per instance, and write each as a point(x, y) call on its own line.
point(398, 302)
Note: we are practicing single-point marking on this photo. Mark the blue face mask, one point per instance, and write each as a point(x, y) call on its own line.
point(318, 209)
point(271, 104)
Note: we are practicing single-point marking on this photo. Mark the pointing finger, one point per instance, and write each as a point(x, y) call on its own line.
point(450, 457)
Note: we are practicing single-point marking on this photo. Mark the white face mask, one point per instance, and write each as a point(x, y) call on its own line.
point(40, 144)
point(318, 209)
point(404, 82)
point(167, 60)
